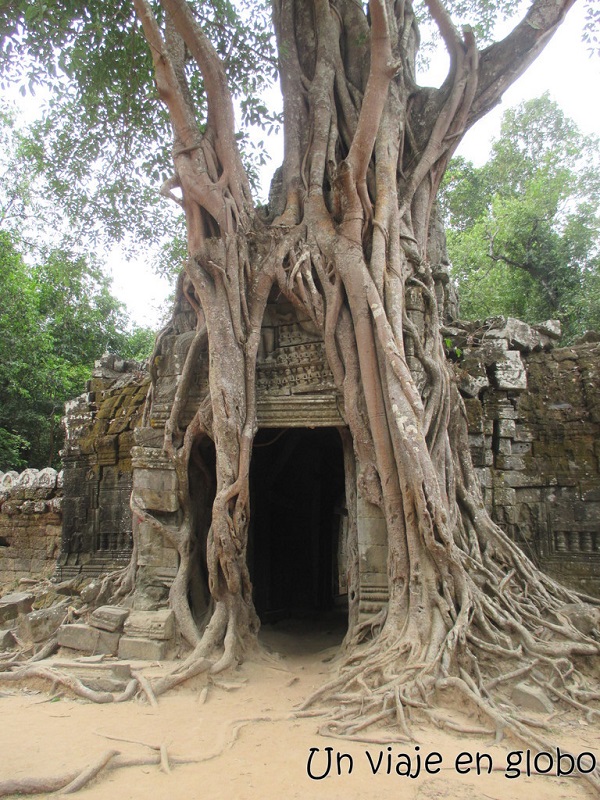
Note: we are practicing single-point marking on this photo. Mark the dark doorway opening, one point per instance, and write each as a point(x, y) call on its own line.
point(297, 517)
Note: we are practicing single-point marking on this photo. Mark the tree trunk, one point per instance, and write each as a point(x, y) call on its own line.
point(365, 151)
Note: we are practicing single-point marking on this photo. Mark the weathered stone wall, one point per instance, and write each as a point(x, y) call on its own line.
point(534, 422)
point(98, 468)
point(30, 523)
point(154, 473)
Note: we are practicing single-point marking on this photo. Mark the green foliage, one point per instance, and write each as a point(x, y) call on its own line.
point(136, 345)
point(482, 16)
point(524, 231)
point(56, 318)
point(57, 313)
point(103, 145)
point(79, 312)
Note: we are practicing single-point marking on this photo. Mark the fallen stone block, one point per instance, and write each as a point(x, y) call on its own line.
point(67, 588)
point(91, 592)
point(121, 672)
point(7, 640)
point(531, 698)
point(88, 639)
point(470, 383)
point(11, 605)
point(518, 334)
point(142, 649)
point(109, 618)
point(551, 328)
point(151, 624)
point(38, 626)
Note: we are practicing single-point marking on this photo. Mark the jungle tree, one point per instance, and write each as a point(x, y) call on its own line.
point(524, 229)
point(365, 150)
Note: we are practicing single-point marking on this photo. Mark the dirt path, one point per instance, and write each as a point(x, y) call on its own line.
point(268, 759)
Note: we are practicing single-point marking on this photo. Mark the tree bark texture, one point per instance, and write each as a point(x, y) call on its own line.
point(365, 151)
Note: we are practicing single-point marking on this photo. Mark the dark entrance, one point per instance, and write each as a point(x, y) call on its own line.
point(297, 510)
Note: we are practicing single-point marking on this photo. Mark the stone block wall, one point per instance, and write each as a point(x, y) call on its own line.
point(534, 430)
point(30, 523)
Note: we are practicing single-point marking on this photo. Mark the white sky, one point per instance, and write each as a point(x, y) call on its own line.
point(136, 285)
point(564, 68)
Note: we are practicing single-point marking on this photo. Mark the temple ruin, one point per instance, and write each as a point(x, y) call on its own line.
point(534, 423)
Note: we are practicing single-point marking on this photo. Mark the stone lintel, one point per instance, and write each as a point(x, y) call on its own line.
point(300, 411)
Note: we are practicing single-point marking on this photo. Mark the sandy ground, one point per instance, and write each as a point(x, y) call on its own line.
point(269, 759)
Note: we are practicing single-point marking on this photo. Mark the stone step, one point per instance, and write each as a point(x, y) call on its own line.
point(100, 563)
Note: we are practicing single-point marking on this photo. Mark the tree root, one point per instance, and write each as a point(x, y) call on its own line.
point(89, 773)
point(49, 648)
point(75, 780)
point(146, 687)
point(190, 669)
point(391, 683)
point(383, 740)
point(71, 782)
point(74, 685)
point(193, 666)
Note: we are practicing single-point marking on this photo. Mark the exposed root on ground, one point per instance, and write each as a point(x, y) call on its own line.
point(58, 678)
point(73, 781)
point(391, 683)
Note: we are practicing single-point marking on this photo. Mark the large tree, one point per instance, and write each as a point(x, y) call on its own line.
point(524, 230)
point(365, 150)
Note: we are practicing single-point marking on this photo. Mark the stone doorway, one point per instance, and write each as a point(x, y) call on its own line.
point(298, 514)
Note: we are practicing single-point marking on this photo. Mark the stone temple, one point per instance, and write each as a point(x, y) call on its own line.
point(534, 426)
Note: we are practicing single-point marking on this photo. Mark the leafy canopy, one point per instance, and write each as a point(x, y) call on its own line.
point(104, 139)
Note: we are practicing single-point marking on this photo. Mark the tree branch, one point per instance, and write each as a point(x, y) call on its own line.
point(375, 97)
point(446, 27)
point(353, 172)
point(505, 61)
point(182, 118)
point(450, 121)
point(220, 104)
